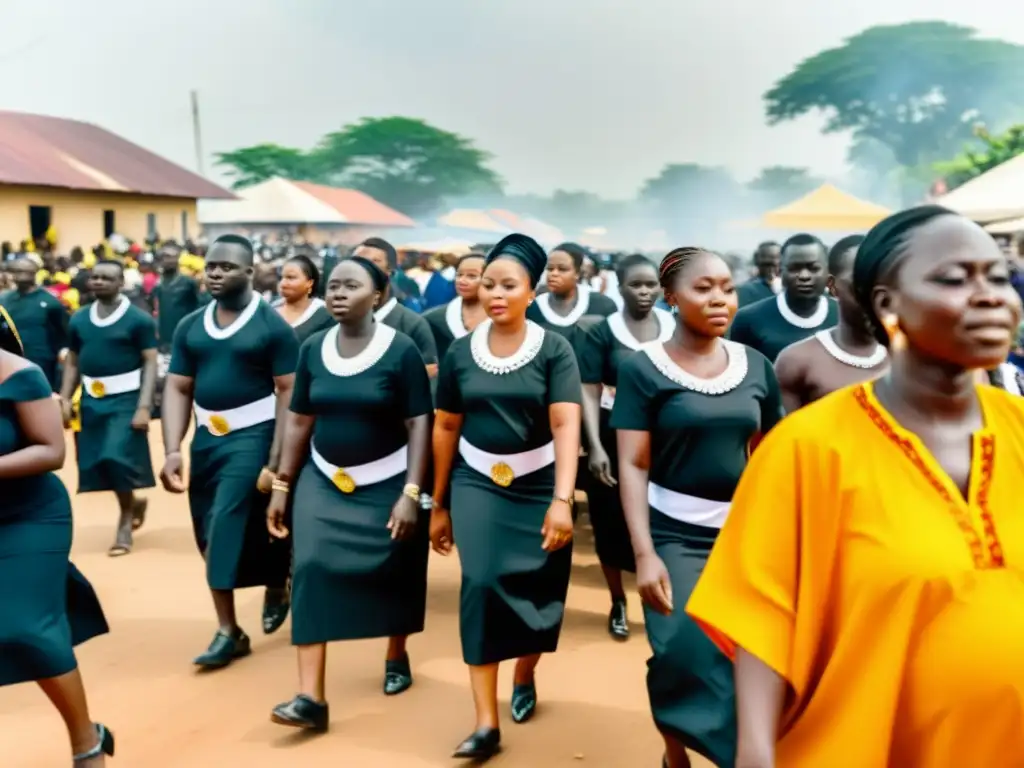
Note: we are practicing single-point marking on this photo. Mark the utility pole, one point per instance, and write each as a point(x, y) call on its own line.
point(197, 133)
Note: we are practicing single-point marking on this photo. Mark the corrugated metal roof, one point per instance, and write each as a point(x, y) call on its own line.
point(357, 207)
point(53, 152)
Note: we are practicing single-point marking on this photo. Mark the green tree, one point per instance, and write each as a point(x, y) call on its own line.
point(251, 165)
point(405, 163)
point(995, 150)
point(778, 184)
point(916, 88)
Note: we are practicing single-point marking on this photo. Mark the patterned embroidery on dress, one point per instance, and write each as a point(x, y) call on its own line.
point(995, 557)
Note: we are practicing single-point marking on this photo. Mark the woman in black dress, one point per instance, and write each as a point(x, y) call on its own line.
point(686, 412)
point(299, 304)
point(46, 606)
point(604, 349)
point(361, 411)
point(506, 442)
point(462, 314)
point(568, 299)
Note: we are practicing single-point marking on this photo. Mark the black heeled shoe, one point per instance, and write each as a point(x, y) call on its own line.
point(224, 649)
point(524, 702)
point(397, 676)
point(275, 609)
point(480, 746)
point(303, 712)
point(104, 745)
point(618, 622)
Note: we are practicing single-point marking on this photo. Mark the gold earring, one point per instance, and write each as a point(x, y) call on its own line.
point(891, 324)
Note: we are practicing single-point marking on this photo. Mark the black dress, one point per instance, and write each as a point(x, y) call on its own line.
point(753, 291)
point(769, 325)
point(351, 579)
point(605, 347)
point(699, 448)
point(316, 318)
point(513, 592)
point(412, 325)
point(446, 325)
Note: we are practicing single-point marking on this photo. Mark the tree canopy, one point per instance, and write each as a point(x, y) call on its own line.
point(996, 150)
point(916, 88)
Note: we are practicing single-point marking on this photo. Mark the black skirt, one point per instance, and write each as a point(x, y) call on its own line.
point(689, 681)
point(611, 535)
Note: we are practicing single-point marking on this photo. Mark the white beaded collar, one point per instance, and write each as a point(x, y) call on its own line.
point(791, 317)
point(210, 324)
point(453, 317)
point(119, 311)
point(733, 375)
point(314, 305)
point(582, 305)
point(870, 361)
point(378, 346)
point(619, 329)
point(485, 360)
point(385, 309)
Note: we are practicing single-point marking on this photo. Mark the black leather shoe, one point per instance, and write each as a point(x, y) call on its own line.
point(224, 649)
point(104, 746)
point(276, 604)
point(303, 712)
point(524, 702)
point(618, 623)
point(481, 745)
point(397, 676)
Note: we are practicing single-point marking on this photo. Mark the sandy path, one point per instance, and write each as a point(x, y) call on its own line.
point(593, 709)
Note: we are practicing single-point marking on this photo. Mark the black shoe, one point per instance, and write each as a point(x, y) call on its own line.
point(618, 623)
point(524, 702)
point(397, 676)
point(302, 712)
point(104, 745)
point(481, 745)
point(224, 649)
point(276, 604)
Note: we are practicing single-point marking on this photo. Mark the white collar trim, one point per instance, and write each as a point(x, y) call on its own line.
point(791, 317)
point(453, 317)
point(210, 324)
point(365, 360)
point(314, 305)
point(733, 375)
point(113, 317)
point(619, 329)
point(856, 361)
point(385, 309)
point(582, 305)
point(480, 347)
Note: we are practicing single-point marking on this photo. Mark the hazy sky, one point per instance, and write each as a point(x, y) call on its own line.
point(577, 94)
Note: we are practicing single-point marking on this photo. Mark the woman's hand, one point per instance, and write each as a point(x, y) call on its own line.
point(265, 480)
point(654, 584)
point(558, 526)
point(172, 476)
point(275, 515)
point(404, 517)
point(441, 531)
point(601, 466)
point(141, 419)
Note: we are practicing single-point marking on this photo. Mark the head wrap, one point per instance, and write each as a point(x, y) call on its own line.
point(882, 245)
point(378, 275)
point(10, 341)
point(523, 249)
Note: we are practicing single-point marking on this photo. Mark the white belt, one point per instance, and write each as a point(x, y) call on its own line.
point(348, 479)
point(503, 469)
point(220, 423)
point(607, 398)
point(686, 508)
point(101, 386)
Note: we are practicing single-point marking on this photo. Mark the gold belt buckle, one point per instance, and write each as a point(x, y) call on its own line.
point(96, 389)
point(343, 481)
point(502, 474)
point(218, 425)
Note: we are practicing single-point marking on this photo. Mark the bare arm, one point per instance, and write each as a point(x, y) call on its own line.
point(634, 467)
point(70, 378)
point(447, 428)
point(790, 371)
point(565, 429)
point(40, 421)
point(432, 370)
point(148, 380)
point(175, 410)
point(297, 430)
point(760, 694)
point(591, 414)
point(418, 429)
point(283, 385)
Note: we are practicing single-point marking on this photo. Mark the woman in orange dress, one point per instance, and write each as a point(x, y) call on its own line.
point(870, 578)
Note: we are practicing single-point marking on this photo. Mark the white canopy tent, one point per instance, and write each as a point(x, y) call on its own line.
point(274, 201)
point(994, 196)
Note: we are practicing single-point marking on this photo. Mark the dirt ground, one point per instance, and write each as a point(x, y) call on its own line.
point(593, 705)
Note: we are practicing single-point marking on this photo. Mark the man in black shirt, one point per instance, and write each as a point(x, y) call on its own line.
point(766, 260)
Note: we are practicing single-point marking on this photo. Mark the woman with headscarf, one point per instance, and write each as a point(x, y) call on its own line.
point(46, 607)
point(686, 411)
point(299, 304)
point(877, 613)
point(462, 314)
point(604, 350)
point(360, 411)
point(506, 443)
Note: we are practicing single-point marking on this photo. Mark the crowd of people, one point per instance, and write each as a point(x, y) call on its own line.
point(810, 472)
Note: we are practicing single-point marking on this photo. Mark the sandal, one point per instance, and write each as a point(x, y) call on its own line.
point(139, 513)
point(104, 746)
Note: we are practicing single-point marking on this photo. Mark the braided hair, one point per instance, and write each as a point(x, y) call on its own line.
point(676, 260)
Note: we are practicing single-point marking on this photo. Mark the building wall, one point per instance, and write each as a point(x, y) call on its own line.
point(79, 216)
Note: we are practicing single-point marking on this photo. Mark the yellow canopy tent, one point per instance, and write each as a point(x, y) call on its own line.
point(826, 208)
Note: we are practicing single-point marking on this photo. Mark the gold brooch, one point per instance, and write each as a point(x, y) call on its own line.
point(219, 425)
point(502, 474)
point(343, 481)
point(96, 389)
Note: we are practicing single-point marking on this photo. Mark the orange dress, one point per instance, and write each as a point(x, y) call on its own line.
point(852, 565)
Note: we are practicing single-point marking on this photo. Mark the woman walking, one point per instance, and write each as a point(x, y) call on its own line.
point(299, 305)
point(876, 613)
point(686, 411)
point(360, 411)
point(568, 298)
point(604, 349)
point(47, 606)
point(506, 442)
point(462, 314)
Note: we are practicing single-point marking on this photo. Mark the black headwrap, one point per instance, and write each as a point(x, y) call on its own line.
point(882, 246)
point(10, 341)
point(526, 251)
point(378, 275)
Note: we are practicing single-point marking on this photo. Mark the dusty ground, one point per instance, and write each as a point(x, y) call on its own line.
point(593, 707)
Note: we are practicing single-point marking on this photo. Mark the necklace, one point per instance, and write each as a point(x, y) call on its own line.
point(499, 366)
point(113, 317)
point(364, 361)
point(870, 361)
point(733, 375)
point(793, 318)
point(582, 305)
